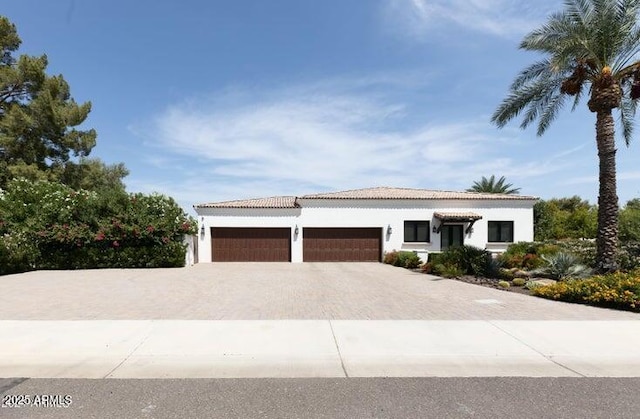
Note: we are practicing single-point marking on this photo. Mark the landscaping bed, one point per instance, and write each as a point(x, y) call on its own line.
point(549, 270)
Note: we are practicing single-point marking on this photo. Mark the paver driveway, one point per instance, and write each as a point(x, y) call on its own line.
point(249, 291)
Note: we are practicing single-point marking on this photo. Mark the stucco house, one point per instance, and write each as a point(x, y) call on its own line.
point(360, 225)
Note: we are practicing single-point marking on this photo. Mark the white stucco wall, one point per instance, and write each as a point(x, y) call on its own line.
point(372, 213)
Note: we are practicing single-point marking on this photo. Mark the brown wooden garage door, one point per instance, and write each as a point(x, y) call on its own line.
point(341, 244)
point(250, 244)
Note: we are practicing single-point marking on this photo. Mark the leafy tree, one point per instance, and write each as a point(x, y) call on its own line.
point(490, 185)
point(630, 222)
point(564, 218)
point(93, 175)
point(589, 47)
point(39, 134)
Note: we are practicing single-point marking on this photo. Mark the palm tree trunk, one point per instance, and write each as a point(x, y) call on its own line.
point(607, 239)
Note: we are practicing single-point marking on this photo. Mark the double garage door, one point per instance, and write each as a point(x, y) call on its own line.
point(274, 244)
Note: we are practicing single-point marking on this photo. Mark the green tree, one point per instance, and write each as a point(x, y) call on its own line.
point(490, 185)
point(589, 47)
point(564, 218)
point(39, 120)
point(93, 174)
point(630, 222)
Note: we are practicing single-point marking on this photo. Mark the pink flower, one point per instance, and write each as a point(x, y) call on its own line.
point(115, 243)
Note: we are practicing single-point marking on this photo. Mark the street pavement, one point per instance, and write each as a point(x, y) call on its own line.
point(327, 398)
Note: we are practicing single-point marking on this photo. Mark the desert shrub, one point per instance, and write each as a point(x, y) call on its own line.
point(448, 270)
point(403, 259)
point(505, 274)
point(519, 282)
point(409, 260)
point(504, 284)
point(517, 255)
point(470, 259)
point(526, 255)
point(434, 258)
point(629, 256)
point(426, 268)
point(615, 290)
point(531, 285)
point(391, 258)
point(584, 249)
point(562, 266)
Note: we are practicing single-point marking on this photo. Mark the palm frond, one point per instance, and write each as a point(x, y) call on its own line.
point(537, 97)
point(577, 98)
point(490, 185)
point(534, 71)
point(549, 111)
point(627, 112)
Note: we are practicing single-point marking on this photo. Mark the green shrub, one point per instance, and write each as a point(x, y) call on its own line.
point(616, 290)
point(519, 282)
point(563, 266)
point(470, 259)
point(448, 270)
point(629, 256)
point(526, 255)
point(409, 260)
point(46, 225)
point(504, 284)
point(434, 258)
point(17, 254)
point(403, 259)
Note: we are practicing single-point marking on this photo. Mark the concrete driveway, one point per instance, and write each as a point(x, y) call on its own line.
point(271, 291)
point(297, 320)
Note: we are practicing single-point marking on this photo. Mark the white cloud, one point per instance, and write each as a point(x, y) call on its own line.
point(319, 137)
point(506, 18)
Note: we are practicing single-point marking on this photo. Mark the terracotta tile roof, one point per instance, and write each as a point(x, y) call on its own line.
point(407, 193)
point(272, 202)
point(368, 193)
point(457, 215)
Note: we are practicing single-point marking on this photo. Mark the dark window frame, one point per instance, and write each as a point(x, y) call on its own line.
point(499, 225)
point(415, 231)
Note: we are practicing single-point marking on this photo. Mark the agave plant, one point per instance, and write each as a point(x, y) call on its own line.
point(561, 266)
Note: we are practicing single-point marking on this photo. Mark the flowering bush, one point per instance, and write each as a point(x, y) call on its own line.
point(68, 229)
point(616, 290)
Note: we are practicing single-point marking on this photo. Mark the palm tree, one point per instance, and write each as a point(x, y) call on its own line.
point(590, 47)
point(491, 186)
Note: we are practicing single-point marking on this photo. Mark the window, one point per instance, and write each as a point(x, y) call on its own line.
point(501, 231)
point(416, 231)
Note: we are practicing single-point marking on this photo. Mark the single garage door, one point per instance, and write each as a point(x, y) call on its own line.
point(250, 244)
point(341, 244)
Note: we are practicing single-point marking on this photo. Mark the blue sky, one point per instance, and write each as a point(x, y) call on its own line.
point(229, 99)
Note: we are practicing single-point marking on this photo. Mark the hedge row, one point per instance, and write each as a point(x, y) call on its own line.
point(45, 225)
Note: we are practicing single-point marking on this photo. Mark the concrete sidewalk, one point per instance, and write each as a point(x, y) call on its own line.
point(318, 348)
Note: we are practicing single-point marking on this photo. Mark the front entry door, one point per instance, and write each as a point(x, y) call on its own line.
point(451, 235)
